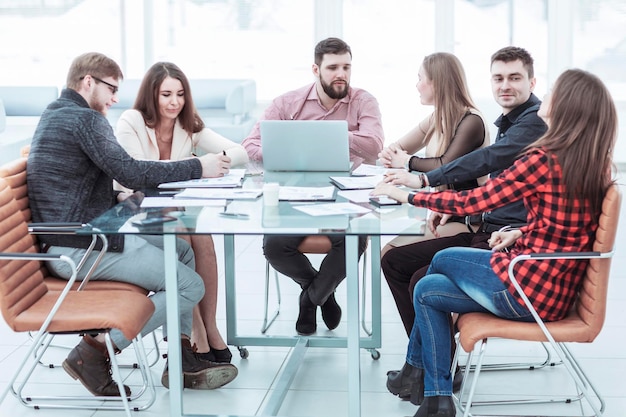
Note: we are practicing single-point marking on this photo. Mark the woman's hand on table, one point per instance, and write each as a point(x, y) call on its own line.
point(393, 156)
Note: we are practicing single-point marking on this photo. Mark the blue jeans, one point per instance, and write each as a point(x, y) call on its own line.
point(459, 280)
point(141, 263)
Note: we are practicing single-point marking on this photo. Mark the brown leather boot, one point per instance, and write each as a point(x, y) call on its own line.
point(89, 363)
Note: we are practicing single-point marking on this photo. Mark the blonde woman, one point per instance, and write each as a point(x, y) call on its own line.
point(453, 129)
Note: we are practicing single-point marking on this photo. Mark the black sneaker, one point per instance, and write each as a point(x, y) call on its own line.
point(199, 373)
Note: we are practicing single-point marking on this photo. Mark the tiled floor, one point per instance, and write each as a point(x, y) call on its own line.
point(320, 386)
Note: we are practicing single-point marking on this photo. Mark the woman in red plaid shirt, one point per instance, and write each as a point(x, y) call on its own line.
point(562, 179)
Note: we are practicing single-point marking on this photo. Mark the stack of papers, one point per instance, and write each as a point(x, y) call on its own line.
point(332, 209)
point(220, 193)
point(356, 183)
point(234, 178)
point(366, 169)
point(180, 202)
point(306, 193)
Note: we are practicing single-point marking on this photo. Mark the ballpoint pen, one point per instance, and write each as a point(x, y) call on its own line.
point(234, 215)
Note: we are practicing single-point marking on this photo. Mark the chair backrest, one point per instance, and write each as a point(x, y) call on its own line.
point(591, 303)
point(14, 173)
point(21, 281)
point(585, 320)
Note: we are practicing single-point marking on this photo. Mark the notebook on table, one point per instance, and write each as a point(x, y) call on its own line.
point(305, 145)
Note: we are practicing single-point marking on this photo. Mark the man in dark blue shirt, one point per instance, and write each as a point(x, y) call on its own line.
point(512, 80)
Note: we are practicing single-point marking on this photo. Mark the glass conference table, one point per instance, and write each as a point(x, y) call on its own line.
point(251, 217)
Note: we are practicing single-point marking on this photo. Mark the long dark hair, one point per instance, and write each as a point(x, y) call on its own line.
point(582, 133)
point(147, 101)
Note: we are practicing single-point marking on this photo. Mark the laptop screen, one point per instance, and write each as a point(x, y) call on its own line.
point(305, 145)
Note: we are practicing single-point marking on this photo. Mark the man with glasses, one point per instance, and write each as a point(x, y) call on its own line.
point(73, 161)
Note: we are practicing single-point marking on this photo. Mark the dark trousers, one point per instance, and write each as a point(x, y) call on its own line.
point(282, 253)
point(403, 266)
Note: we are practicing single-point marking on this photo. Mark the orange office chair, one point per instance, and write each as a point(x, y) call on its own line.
point(28, 305)
point(14, 173)
point(582, 324)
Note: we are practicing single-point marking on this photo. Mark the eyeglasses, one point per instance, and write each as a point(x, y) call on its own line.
point(114, 88)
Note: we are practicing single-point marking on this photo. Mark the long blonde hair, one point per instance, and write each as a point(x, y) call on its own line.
point(582, 132)
point(452, 97)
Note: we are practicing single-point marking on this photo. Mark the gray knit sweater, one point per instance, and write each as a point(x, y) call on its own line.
point(73, 160)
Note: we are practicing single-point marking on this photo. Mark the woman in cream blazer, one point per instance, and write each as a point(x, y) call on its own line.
point(164, 125)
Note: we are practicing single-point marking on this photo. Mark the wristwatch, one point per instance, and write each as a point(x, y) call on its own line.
point(411, 198)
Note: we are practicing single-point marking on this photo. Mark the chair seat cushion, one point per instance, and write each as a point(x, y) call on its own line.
point(127, 311)
point(57, 284)
point(477, 326)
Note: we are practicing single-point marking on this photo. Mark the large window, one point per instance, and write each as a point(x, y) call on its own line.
point(272, 42)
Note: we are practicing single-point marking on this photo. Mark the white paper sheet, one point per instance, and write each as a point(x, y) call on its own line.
point(220, 193)
point(306, 193)
point(234, 178)
point(357, 183)
point(356, 196)
point(178, 202)
point(331, 209)
point(366, 169)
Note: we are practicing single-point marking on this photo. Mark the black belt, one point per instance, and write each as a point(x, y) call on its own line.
point(487, 227)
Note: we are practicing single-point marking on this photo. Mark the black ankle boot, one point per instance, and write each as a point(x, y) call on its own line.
point(436, 407)
point(307, 318)
point(407, 383)
point(331, 312)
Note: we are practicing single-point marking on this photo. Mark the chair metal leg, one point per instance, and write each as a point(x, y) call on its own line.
point(506, 366)
point(266, 321)
point(367, 330)
point(583, 383)
point(141, 398)
point(154, 357)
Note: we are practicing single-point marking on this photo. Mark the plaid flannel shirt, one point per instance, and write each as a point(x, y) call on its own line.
point(553, 225)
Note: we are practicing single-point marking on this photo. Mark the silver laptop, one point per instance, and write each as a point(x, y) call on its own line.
point(305, 145)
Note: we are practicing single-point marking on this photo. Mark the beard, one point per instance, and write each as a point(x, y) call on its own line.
point(96, 103)
point(332, 92)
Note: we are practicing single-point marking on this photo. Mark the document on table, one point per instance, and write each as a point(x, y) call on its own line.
point(234, 178)
point(367, 170)
point(306, 193)
point(332, 209)
point(220, 193)
point(149, 202)
point(356, 196)
point(356, 183)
